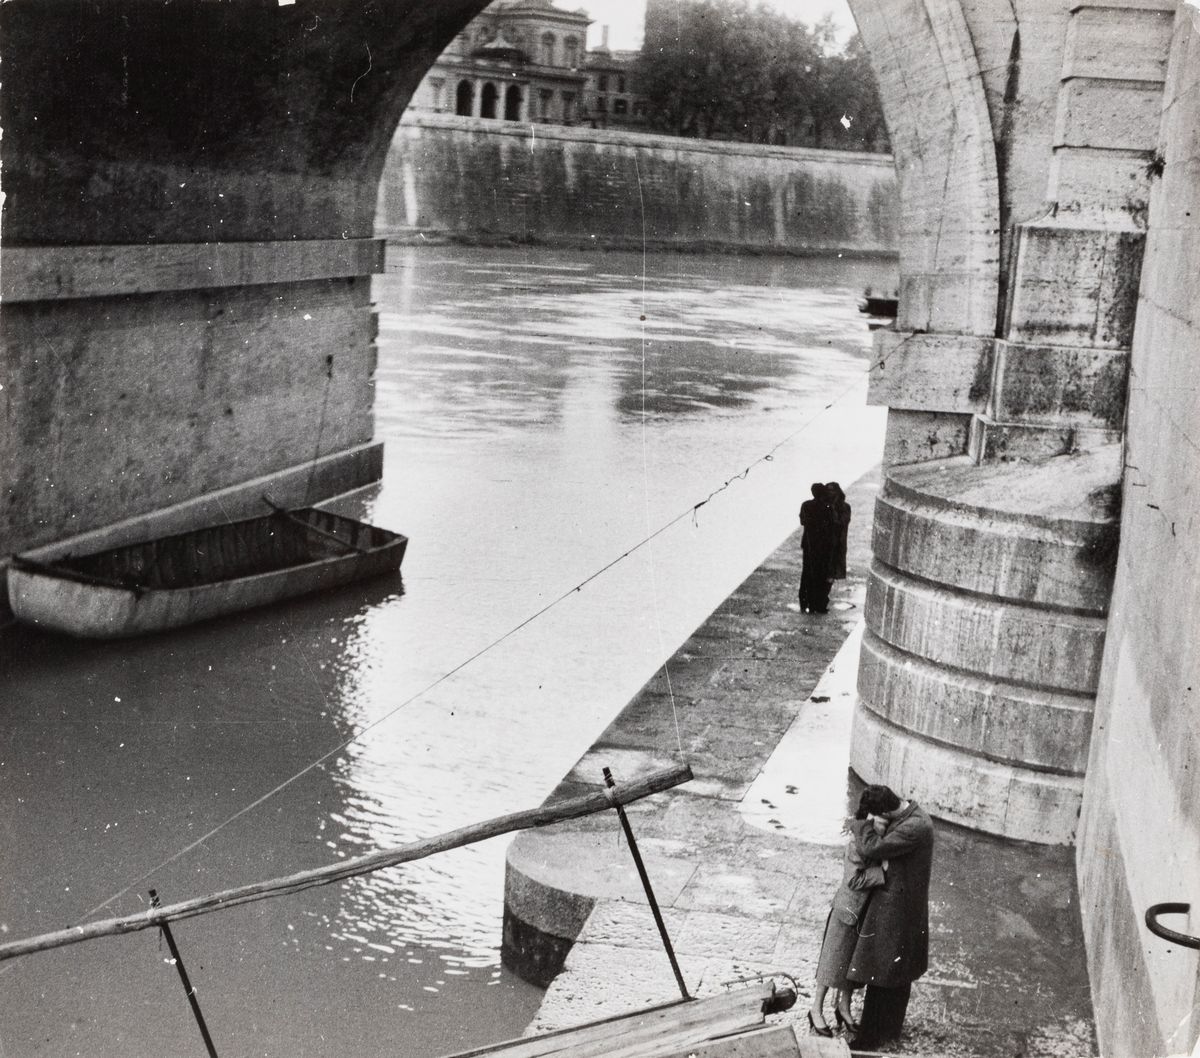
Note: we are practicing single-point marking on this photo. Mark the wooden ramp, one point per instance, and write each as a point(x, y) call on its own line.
point(729, 1025)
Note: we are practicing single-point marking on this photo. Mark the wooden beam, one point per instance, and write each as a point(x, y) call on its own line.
point(573, 808)
point(669, 1029)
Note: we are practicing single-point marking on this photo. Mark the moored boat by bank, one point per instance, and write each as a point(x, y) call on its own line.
point(178, 580)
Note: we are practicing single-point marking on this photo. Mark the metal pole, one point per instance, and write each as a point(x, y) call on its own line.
point(641, 869)
point(187, 984)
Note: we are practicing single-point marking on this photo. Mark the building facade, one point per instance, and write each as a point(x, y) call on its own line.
point(611, 98)
point(519, 60)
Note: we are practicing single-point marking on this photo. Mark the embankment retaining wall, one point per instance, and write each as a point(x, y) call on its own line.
point(494, 180)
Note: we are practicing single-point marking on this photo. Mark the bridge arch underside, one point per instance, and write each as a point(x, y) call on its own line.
point(1041, 150)
point(190, 193)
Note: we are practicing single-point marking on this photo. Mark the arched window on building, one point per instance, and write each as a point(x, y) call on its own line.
point(487, 101)
point(571, 52)
point(620, 83)
point(604, 82)
point(463, 98)
point(568, 113)
point(512, 103)
point(620, 106)
point(548, 49)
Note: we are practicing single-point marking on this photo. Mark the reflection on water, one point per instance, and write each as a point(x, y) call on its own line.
point(537, 427)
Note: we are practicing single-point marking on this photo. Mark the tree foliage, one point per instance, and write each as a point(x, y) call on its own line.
point(723, 69)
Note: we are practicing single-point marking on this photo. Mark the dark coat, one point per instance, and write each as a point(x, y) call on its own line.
point(818, 542)
point(893, 943)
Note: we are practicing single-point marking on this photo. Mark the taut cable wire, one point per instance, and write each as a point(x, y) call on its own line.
point(688, 512)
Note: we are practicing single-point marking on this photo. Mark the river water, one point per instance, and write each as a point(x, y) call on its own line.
point(544, 413)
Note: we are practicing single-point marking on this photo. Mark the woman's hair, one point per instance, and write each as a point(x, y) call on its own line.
point(877, 799)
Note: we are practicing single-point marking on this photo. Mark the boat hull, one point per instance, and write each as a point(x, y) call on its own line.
point(45, 600)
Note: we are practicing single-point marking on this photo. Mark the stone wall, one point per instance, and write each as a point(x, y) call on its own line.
point(176, 393)
point(574, 186)
point(189, 200)
point(1139, 841)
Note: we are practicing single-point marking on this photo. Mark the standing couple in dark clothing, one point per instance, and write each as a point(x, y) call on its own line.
point(877, 933)
point(826, 522)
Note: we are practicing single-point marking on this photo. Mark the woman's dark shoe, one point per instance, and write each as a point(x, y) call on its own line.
point(823, 1030)
point(847, 1023)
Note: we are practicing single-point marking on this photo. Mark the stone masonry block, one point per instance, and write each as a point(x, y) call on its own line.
point(993, 441)
point(1100, 188)
point(984, 636)
point(930, 372)
point(1128, 43)
point(1113, 115)
point(1001, 721)
point(994, 552)
point(964, 788)
point(1075, 286)
point(919, 436)
point(1055, 384)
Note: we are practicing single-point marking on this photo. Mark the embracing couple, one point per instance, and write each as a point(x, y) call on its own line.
point(877, 933)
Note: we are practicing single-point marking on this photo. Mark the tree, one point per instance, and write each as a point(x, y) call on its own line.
point(721, 69)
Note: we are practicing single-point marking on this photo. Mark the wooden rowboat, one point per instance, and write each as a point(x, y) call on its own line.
point(221, 569)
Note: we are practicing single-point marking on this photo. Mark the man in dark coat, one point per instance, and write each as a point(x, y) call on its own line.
point(817, 546)
point(892, 949)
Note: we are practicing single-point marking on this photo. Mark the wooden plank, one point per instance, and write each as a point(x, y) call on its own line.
point(572, 808)
point(51, 273)
point(668, 1025)
point(686, 1034)
point(774, 1041)
point(822, 1046)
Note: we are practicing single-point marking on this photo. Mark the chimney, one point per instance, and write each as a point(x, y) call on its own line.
point(604, 37)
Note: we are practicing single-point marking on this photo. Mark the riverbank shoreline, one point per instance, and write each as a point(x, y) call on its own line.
point(745, 858)
point(615, 243)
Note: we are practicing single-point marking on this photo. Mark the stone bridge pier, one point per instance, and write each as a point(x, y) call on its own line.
point(189, 197)
point(1040, 412)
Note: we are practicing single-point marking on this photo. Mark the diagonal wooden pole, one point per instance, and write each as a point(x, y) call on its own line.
point(572, 808)
point(641, 869)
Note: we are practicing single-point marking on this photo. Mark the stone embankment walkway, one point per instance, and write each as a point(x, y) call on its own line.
point(746, 857)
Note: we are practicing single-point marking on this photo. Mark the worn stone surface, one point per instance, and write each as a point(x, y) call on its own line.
point(1059, 384)
point(1045, 648)
point(1139, 838)
point(485, 179)
point(1007, 967)
point(1033, 532)
point(930, 372)
point(1008, 722)
point(919, 436)
point(1020, 442)
point(1075, 286)
point(965, 786)
point(174, 396)
point(932, 91)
